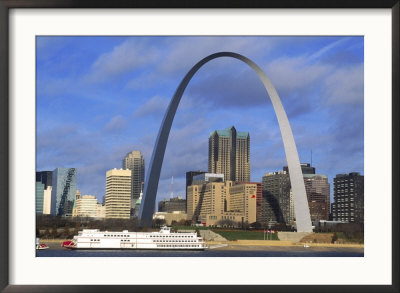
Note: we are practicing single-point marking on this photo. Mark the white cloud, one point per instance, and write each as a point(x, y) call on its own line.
point(346, 85)
point(185, 53)
point(116, 123)
point(157, 105)
point(128, 56)
point(293, 74)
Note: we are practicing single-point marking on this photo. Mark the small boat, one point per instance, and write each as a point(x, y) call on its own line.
point(41, 246)
point(306, 245)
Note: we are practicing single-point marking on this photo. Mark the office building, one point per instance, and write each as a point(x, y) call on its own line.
point(208, 177)
point(189, 177)
point(100, 210)
point(276, 205)
point(63, 191)
point(306, 168)
point(134, 161)
point(118, 194)
point(39, 197)
point(47, 200)
point(45, 178)
point(74, 209)
point(229, 154)
point(226, 203)
point(174, 204)
point(86, 206)
point(348, 198)
point(242, 198)
point(317, 190)
point(318, 196)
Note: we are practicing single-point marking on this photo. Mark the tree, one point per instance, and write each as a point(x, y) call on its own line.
point(66, 231)
point(46, 233)
point(159, 222)
point(227, 223)
point(54, 233)
point(255, 225)
point(77, 227)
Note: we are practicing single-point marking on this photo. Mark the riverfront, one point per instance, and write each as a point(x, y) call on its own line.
point(240, 248)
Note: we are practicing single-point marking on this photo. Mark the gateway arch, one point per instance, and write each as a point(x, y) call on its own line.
point(302, 212)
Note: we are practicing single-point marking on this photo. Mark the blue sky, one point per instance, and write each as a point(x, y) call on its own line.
point(99, 98)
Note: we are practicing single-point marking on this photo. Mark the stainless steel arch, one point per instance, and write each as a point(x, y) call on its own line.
point(302, 212)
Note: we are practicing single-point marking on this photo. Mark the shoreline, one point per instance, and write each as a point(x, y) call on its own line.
point(275, 243)
point(253, 245)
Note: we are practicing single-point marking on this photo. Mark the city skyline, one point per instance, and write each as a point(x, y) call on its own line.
point(320, 84)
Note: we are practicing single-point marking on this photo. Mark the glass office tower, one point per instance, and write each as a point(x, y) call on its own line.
point(63, 192)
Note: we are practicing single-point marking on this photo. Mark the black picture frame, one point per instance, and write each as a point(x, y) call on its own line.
point(6, 5)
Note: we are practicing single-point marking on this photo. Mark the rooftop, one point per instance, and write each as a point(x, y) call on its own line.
point(227, 132)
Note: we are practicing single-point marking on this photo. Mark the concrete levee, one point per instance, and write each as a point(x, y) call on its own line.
point(209, 235)
point(292, 236)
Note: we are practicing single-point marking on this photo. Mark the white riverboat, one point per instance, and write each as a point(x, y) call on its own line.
point(164, 239)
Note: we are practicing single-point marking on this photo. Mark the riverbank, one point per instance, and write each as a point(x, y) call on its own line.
point(255, 245)
point(287, 244)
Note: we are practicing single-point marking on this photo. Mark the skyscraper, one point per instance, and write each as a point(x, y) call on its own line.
point(229, 154)
point(118, 193)
point(348, 197)
point(276, 204)
point(317, 190)
point(318, 196)
point(45, 178)
point(63, 192)
point(134, 161)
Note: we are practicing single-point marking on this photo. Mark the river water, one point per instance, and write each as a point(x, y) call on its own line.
point(300, 252)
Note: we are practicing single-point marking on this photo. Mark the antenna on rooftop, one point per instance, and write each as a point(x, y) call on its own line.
point(311, 158)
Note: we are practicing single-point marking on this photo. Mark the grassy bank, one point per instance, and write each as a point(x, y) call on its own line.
point(233, 235)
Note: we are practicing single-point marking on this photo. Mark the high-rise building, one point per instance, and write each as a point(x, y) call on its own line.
point(86, 206)
point(118, 193)
point(45, 178)
point(348, 197)
point(229, 154)
point(63, 192)
point(276, 204)
point(318, 195)
point(134, 161)
point(39, 197)
point(174, 204)
point(317, 190)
